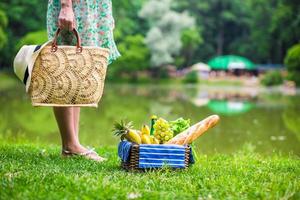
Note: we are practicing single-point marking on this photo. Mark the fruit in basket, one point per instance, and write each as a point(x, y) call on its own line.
point(125, 130)
point(154, 140)
point(146, 139)
point(191, 134)
point(162, 130)
point(145, 130)
point(145, 134)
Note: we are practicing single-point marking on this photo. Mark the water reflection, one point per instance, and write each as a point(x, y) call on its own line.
point(228, 107)
point(291, 117)
point(269, 120)
point(226, 102)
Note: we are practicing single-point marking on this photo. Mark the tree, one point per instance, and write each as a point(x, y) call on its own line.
point(135, 57)
point(23, 17)
point(3, 25)
point(126, 17)
point(255, 43)
point(163, 38)
point(285, 27)
point(262, 30)
point(222, 21)
point(191, 40)
point(292, 62)
point(258, 29)
point(38, 37)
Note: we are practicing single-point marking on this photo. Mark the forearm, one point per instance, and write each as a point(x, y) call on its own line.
point(66, 3)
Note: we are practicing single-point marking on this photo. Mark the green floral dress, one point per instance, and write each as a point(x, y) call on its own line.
point(94, 22)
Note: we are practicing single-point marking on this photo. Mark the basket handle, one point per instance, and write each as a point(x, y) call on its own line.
point(78, 44)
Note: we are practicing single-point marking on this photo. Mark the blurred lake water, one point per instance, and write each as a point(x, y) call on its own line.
point(269, 120)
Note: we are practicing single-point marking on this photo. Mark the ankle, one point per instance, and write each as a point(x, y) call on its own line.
point(73, 147)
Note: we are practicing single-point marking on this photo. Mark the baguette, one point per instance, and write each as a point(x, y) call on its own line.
point(195, 131)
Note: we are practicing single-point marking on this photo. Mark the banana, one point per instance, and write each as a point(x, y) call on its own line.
point(145, 130)
point(154, 140)
point(133, 136)
point(145, 139)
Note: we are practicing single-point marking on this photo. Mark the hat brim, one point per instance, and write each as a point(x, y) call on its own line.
point(31, 64)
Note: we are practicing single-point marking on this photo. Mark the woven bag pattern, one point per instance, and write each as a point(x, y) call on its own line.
point(67, 77)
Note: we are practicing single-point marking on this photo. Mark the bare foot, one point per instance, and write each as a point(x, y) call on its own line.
point(80, 150)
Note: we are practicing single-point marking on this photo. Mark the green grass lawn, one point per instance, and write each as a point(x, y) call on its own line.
point(30, 171)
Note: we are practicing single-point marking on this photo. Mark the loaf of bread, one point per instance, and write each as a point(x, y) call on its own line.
point(192, 133)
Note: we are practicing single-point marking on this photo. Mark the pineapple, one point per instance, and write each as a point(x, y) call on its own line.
point(125, 130)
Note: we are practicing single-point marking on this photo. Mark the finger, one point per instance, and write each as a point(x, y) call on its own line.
point(63, 23)
point(66, 24)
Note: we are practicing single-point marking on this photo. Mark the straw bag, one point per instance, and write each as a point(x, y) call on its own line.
point(68, 75)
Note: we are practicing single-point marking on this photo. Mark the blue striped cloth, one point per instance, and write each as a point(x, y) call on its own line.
point(154, 156)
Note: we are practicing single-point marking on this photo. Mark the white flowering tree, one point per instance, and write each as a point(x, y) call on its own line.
point(164, 37)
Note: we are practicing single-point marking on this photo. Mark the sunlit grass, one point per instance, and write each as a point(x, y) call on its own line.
point(30, 171)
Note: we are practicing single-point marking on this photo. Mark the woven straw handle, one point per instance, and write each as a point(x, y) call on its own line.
point(78, 45)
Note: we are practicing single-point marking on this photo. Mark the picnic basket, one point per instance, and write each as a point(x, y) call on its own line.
point(68, 75)
point(150, 156)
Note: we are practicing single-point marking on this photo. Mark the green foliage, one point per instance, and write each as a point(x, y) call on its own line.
point(3, 25)
point(38, 37)
point(3, 19)
point(29, 171)
point(292, 62)
point(222, 21)
point(285, 26)
point(191, 40)
point(294, 76)
point(261, 30)
point(258, 29)
point(191, 77)
point(135, 57)
point(179, 125)
point(292, 59)
point(163, 73)
point(24, 17)
point(126, 17)
point(272, 78)
point(3, 38)
point(255, 40)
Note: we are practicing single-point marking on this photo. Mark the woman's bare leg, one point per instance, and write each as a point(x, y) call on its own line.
point(68, 129)
point(76, 117)
point(68, 122)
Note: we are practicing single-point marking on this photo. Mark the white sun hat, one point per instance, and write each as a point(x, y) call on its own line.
point(24, 62)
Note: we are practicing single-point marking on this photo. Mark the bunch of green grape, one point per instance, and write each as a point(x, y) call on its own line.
point(162, 130)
